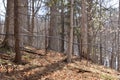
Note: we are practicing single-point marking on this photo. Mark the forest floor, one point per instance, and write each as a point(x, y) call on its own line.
point(52, 66)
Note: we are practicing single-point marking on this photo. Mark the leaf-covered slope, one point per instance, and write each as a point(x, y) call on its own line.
point(53, 67)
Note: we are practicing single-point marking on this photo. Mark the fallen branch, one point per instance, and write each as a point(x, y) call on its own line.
point(32, 51)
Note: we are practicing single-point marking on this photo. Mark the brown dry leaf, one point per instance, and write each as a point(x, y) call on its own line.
point(51, 67)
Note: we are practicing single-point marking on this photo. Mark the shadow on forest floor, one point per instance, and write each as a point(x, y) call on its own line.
point(38, 71)
point(47, 70)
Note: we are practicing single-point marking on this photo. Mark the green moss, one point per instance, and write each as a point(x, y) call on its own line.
point(107, 77)
point(26, 57)
point(4, 50)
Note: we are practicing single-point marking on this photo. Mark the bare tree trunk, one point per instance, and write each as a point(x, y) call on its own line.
point(54, 32)
point(100, 25)
point(62, 26)
point(112, 55)
point(23, 21)
point(84, 30)
point(31, 27)
point(89, 25)
point(70, 44)
point(33, 19)
point(16, 33)
point(28, 22)
point(7, 42)
point(118, 52)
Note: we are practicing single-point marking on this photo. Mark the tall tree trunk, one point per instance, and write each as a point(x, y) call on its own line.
point(70, 44)
point(54, 32)
point(7, 42)
point(84, 30)
point(23, 21)
point(100, 26)
point(62, 26)
point(32, 22)
point(46, 38)
point(89, 25)
point(16, 33)
point(118, 52)
point(112, 55)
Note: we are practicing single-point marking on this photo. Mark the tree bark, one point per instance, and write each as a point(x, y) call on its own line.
point(32, 22)
point(100, 26)
point(89, 25)
point(118, 52)
point(70, 44)
point(16, 33)
point(84, 30)
point(54, 30)
point(9, 21)
point(62, 26)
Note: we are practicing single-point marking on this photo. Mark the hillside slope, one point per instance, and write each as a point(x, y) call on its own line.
point(53, 67)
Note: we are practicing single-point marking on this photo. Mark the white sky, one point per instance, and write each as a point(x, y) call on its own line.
point(2, 9)
point(115, 3)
